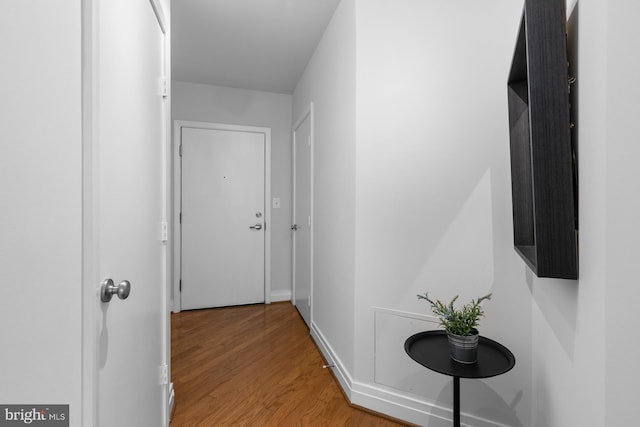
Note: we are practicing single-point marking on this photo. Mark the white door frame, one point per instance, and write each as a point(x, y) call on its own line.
point(308, 112)
point(90, 275)
point(178, 125)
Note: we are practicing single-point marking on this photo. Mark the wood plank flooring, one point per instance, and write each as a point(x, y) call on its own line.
point(254, 366)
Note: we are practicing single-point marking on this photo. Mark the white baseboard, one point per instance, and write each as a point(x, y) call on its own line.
point(333, 361)
point(393, 403)
point(277, 296)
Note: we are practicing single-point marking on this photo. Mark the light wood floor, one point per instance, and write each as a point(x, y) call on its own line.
point(254, 366)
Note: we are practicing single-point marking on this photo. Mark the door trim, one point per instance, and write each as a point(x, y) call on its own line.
point(178, 125)
point(308, 112)
point(160, 16)
point(90, 278)
point(168, 397)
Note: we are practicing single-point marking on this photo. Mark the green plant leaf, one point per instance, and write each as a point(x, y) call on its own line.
point(459, 321)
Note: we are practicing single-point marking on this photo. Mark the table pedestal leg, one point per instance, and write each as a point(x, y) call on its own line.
point(456, 401)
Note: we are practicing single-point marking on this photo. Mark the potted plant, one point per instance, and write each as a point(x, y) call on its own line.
point(460, 324)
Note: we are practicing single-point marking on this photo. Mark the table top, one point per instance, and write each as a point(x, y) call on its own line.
point(431, 350)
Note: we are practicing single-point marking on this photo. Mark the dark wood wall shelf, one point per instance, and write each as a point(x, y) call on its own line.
point(542, 161)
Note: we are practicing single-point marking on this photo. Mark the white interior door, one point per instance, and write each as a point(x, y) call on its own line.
point(128, 211)
point(302, 190)
point(223, 217)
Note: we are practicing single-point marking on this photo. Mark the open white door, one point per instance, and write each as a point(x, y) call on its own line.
point(302, 211)
point(126, 214)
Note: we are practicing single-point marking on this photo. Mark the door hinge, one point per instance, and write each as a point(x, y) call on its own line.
point(180, 285)
point(164, 231)
point(180, 218)
point(164, 374)
point(164, 87)
point(180, 150)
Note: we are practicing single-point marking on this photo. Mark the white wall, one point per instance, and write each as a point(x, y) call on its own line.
point(623, 210)
point(433, 210)
point(215, 104)
point(40, 219)
point(329, 82)
point(433, 193)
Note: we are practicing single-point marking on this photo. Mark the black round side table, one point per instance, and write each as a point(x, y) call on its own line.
point(431, 350)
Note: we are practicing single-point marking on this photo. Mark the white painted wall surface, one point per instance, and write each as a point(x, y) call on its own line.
point(40, 219)
point(623, 210)
point(329, 82)
point(433, 193)
point(215, 104)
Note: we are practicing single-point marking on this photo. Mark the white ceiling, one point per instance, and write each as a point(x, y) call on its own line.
point(248, 44)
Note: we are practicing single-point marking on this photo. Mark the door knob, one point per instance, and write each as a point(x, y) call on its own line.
point(108, 289)
point(294, 227)
point(256, 227)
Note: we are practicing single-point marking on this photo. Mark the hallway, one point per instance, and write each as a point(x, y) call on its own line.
point(254, 365)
